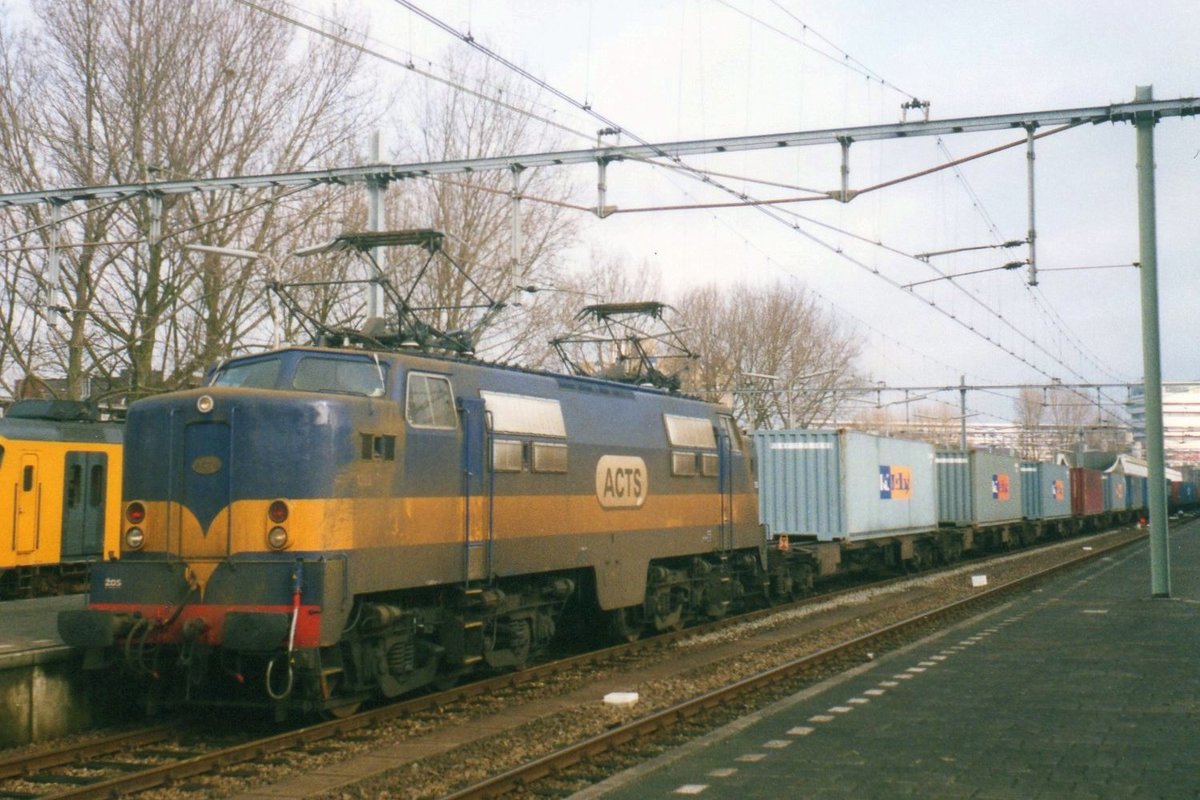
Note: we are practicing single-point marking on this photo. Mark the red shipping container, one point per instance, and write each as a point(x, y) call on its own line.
point(1087, 492)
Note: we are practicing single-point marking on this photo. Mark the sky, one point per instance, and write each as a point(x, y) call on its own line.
point(692, 69)
point(672, 70)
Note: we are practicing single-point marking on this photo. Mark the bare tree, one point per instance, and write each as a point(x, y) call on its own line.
point(127, 91)
point(744, 333)
point(476, 210)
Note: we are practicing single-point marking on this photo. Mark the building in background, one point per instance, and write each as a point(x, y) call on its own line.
point(1181, 421)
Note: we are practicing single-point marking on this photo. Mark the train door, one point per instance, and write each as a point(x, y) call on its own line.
point(726, 442)
point(478, 491)
point(84, 485)
point(29, 504)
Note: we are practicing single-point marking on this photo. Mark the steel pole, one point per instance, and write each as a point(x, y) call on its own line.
point(1160, 566)
point(375, 192)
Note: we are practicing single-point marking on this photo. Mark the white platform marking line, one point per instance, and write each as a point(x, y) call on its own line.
point(723, 772)
point(821, 718)
point(776, 744)
point(889, 684)
point(915, 669)
point(751, 758)
point(802, 730)
point(904, 677)
point(858, 701)
point(875, 692)
point(840, 710)
point(691, 788)
point(1095, 611)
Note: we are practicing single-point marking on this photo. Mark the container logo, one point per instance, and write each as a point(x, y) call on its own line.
point(895, 483)
point(1000, 487)
point(621, 482)
point(1120, 487)
point(1058, 490)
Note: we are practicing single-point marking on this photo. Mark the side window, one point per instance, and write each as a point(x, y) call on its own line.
point(74, 483)
point(96, 489)
point(27, 479)
point(508, 455)
point(548, 457)
point(430, 402)
point(693, 433)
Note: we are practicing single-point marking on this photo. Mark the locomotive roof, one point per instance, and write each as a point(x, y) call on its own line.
point(17, 428)
point(403, 356)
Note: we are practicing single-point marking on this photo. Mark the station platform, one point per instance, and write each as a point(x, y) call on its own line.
point(30, 625)
point(42, 690)
point(1085, 688)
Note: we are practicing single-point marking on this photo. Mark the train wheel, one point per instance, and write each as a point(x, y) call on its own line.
point(624, 624)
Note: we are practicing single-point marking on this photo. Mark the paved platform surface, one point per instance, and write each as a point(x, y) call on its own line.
point(1086, 688)
point(32, 625)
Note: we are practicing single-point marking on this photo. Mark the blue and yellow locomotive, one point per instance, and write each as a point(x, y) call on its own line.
point(60, 470)
point(316, 526)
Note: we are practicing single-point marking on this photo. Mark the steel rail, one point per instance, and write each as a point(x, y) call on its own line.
point(157, 775)
point(548, 765)
point(23, 765)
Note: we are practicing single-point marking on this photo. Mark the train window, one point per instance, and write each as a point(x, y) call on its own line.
point(508, 455)
point(27, 479)
point(690, 432)
point(96, 489)
point(74, 483)
point(340, 375)
point(261, 374)
point(430, 402)
point(549, 457)
point(683, 464)
point(709, 465)
point(1, 455)
point(521, 414)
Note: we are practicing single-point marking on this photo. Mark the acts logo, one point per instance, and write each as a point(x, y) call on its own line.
point(621, 482)
point(1058, 490)
point(895, 483)
point(1000, 487)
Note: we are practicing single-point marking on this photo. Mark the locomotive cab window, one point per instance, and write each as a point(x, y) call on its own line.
point(260, 374)
point(340, 376)
point(430, 402)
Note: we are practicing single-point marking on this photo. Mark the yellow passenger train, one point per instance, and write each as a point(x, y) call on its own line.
point(60, 496)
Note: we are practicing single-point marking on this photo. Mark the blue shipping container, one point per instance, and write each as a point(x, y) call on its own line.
point(844, 484)
point(976, 488)
point(1045, 490)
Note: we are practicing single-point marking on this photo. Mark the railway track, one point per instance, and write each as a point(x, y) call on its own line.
point(653, 724)
point(165, 755)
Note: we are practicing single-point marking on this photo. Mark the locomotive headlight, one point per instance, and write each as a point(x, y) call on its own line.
point(134, 538)
point(277, 512)
point(204, 404)
point(277, 538)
